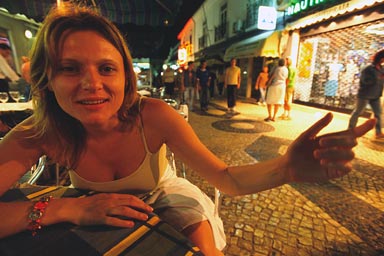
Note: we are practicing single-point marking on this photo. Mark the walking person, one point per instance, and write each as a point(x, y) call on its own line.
point(370, 92)
point(212, 84)
point(289, 89)
point(261, 85)
point(169, 81)
point(276, 90)
point(203, 82)
point(232, 83)
point(220, 82)
point(188, 84)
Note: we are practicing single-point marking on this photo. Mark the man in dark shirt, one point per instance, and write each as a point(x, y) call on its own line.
point(203, 80)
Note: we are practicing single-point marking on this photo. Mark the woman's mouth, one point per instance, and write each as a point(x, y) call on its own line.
point(92, 102)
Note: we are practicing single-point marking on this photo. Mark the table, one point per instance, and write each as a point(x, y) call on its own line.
point(151, 238)
point(13, 106)
point(12, 113)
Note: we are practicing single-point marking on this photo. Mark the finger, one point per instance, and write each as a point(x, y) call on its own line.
point(364, 128)
point(337, 141)
point(136, 203)
point(129, 200)
point(358, 131)
point(337, 170)
point(117, 222)
point(333, 154)
point(312, 131)
point(128, 213)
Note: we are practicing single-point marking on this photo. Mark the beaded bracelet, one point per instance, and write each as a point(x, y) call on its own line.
point(34, 217)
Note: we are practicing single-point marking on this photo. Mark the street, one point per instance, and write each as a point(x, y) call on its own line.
point(340, 217)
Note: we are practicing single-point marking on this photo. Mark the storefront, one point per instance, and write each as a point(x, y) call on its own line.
point(333, 47)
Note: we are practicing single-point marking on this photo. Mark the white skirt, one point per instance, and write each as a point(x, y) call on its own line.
point(275, 94)
point(182, 204)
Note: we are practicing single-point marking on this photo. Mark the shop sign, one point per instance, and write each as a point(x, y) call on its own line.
point(267, 18)
point(303, 5)
point(184, 51)
point(182, 56)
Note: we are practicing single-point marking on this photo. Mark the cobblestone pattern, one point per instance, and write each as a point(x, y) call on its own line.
point(340, 217)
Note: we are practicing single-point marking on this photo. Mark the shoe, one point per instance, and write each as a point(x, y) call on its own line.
point(379, 136)
point(288, 118)
point(267, 119)
point(272, 119)
point(257, 103)
point(282, 117)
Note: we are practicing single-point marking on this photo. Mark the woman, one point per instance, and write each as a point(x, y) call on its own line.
point(89, 118)
point(276, 90)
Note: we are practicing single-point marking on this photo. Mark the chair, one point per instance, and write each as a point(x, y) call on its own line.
point(183, 110)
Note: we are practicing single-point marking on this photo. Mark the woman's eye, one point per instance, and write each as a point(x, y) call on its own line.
point(107, 69)
point(68, 69)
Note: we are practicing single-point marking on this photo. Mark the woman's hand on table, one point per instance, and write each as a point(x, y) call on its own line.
point(120, 210)
point(316, 159)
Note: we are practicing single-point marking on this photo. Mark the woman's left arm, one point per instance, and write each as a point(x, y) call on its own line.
point(308, 159)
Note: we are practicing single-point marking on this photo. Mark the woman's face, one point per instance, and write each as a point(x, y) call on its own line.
point(89, 81)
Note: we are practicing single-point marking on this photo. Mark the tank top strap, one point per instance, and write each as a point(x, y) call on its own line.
point(141, 125)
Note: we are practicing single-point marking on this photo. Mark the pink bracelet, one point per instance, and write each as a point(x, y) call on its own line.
point(34, 217)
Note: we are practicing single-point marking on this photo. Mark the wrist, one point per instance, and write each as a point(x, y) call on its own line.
point(37, 213)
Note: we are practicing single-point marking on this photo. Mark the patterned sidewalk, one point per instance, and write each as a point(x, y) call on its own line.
point(340, 217)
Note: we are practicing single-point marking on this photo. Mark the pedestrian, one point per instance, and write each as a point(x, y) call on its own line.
point(169, 81)
point(220, 82)
point(6, 72)
point(232, 83)
point(261, 85)
point(370, 92)
point(203, 82)
point(26, 75)
point(89, 118)
point(276, 90)
point(189, 85)
point(289, 89)
point(212, 85)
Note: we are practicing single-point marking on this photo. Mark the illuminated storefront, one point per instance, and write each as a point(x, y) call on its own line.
point(334, 45)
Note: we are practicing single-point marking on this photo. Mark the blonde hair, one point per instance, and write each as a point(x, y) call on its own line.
point(49, 117)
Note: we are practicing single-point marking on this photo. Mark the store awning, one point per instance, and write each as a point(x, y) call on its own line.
point(265, 45)
point(332, 12)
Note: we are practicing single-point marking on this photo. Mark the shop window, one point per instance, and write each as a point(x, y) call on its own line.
point(329, 63)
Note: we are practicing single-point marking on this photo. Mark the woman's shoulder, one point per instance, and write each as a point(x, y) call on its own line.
point(154, 108)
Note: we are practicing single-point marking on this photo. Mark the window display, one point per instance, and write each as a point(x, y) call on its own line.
point(329, 63)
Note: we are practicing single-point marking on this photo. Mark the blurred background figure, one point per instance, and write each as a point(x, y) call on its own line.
point(220, 82)
point(276, 90)
point(232, 83)
point(289, 90)
point(370, 92)
point(26, 76)
point(212, 85)
point(261, 85)
point(203, 81)
point(169, 81)
point(7, 74)
point(189, 84)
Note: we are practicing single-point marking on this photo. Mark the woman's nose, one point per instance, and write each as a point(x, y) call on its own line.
point(91, 80)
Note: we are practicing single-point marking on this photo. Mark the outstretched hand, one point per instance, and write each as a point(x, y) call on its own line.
point(312, 159)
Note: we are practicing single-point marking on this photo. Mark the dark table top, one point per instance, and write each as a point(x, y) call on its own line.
point(153, 237)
